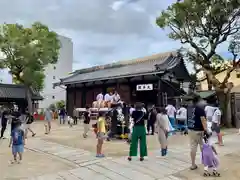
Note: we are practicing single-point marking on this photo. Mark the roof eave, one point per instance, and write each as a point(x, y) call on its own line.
point(110, 78)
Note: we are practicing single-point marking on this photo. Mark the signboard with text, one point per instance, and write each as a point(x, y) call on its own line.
point(144, 87)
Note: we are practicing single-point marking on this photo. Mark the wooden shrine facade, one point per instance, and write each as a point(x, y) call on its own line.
point(163, 74)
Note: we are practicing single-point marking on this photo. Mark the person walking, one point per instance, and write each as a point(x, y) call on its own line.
point(17, 142)
point(171, 112)
point(162, 126)
point(29, 120)
point(48, 120)
point(197, 126)
point(86, 122)
point(216, 121)
point(62, 114)
point(138, 134)
point(4, 122)
point(75, 116)
point(151, 121)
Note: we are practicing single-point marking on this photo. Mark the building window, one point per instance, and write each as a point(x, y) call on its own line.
point(54, 67)
point(53, 97)
point(54, 77)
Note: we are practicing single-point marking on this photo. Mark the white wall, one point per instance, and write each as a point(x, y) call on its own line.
point(59, 70)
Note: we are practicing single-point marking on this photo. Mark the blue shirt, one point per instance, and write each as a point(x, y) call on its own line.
point(17, 136)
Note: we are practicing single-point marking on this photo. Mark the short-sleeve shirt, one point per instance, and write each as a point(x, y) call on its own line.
point(17, 136)
point(198, 113)
point(86, 117)
point(171, 110)
point(101, 125)
point(216, 116)
point(209, 110)
point(138, 118)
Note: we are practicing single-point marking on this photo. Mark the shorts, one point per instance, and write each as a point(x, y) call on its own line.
point(196, 138)
point(101, 136)
point(215, 128)
point(17, 149)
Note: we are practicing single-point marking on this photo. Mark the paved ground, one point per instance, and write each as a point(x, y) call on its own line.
point(64, 154)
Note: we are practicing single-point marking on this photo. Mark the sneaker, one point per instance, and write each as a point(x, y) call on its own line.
point(34, 134)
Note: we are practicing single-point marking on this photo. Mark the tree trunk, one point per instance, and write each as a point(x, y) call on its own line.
point(210, 86)
point(225, 105)
point(29, 99)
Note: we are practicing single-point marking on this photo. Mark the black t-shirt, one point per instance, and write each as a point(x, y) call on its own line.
point(86, 118)
point(138, 118)
point(153, 116)
point(4, 119)
point(198, 113)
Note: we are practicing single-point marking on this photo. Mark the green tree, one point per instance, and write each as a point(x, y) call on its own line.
point(60, 104)
point(204, 26)
point(27, 52)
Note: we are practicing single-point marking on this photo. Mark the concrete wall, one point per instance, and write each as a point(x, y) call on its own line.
point(233, 78)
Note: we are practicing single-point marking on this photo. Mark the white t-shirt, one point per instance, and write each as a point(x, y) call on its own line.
point(131, 110)
point(209, 110)
point(182, 113)
point(171, 110)
point(115, 98)
point(108, 97)
point(99, 97)
point(217, 116)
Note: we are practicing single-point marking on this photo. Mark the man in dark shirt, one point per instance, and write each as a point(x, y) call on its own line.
point(4, 122)
point(197, 126)
point(151, 121)
point(86, 121)
point(15, 119)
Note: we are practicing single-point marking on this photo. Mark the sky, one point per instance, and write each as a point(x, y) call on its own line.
point(102, 31)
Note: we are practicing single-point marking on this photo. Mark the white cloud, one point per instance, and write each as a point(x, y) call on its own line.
point(100, 34)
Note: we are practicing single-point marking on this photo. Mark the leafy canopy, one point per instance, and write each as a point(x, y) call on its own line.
point(60, 104)
point(27, 51)
point(203, 25)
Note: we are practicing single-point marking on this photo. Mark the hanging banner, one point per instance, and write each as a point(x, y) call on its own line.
point(144, 87)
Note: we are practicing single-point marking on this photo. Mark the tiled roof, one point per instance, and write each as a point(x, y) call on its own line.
point(13, 91)
point(130, 68)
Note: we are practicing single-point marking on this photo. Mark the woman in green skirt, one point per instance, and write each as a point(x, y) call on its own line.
point(138, 134)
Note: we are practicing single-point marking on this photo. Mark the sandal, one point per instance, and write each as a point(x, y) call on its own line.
point(193, 167)
point(206, 173)
point(216, 174)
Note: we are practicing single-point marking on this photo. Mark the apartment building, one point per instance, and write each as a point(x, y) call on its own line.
point(53, 74)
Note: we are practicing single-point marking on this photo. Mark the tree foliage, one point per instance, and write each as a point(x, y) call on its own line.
point(60, 104)
point(203, 25)
point(27, 51)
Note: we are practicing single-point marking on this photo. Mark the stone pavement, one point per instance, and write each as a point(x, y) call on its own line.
point(153, 168)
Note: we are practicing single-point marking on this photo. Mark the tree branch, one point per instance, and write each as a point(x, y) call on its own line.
point(228, 74)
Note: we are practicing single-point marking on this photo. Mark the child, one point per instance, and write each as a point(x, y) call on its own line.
point(70, 121)
point(17, 142)
point(86, 122)
point(209, 156)
point(101, 126)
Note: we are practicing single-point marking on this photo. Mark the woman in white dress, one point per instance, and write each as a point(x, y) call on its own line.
point(162, 127)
